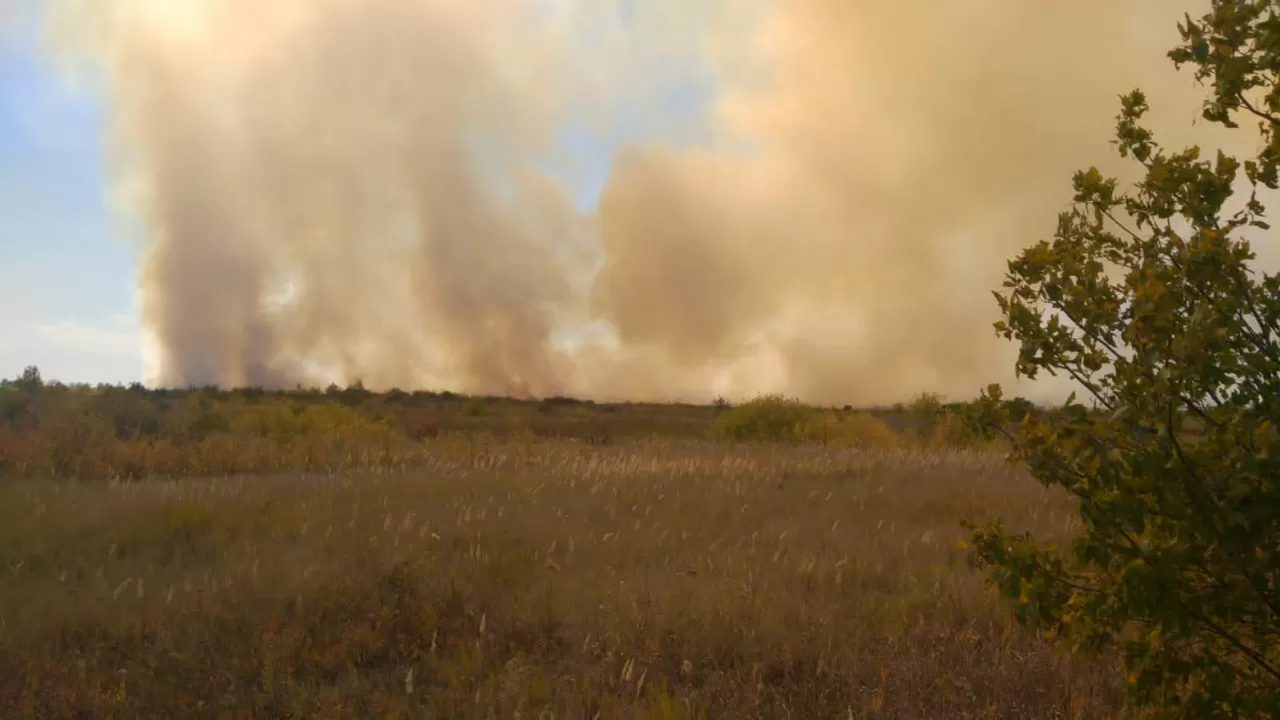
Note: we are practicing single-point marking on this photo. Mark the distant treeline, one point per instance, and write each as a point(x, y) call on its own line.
point(109, 431)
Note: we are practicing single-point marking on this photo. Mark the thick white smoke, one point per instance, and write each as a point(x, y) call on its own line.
point(356, 188)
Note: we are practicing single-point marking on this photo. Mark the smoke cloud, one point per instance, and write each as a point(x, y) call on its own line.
point(343, 189)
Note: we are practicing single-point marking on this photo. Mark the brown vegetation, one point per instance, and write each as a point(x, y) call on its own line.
point(660, 574)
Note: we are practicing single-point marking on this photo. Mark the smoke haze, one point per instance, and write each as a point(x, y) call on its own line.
point(343, 189)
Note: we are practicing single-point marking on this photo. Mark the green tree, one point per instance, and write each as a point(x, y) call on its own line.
point(1146, 297)
point(30, 379)
point(13, 404)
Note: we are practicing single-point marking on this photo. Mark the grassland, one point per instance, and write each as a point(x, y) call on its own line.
point(653, 573)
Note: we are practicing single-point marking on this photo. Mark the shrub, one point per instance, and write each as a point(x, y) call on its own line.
point(769, 418)
point(951, 431)
point(926, 407)
point(1147, 300)
point(860, 429)
point(419, 426)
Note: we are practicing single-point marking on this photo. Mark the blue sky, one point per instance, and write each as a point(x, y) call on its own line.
point(66, 279)
point(66, 272)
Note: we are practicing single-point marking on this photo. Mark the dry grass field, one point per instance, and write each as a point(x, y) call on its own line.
point(536, 579)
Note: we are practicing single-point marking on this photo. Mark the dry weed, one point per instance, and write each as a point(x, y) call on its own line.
point(659, 580)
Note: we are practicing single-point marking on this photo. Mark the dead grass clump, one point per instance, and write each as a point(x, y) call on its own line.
point(658, 580)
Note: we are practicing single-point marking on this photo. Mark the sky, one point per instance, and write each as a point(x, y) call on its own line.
point(66, 271)
point(68, 262)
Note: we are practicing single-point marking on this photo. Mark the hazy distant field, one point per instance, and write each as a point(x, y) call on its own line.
point(655, 579)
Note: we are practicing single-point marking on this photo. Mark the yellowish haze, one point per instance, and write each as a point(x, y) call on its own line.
point(354, 188)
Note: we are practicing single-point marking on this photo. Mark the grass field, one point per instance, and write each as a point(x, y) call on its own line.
point(640, 579)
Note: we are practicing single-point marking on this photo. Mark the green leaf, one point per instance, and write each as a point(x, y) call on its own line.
point(1177, 485)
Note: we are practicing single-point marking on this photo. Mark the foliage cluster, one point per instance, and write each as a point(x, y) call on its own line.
point(53, 430)
point(1150, 300)
point(926, 423)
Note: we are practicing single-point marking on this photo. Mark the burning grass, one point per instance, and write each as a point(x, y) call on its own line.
point(644, 580)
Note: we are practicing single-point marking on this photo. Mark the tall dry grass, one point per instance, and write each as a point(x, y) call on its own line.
point(533, 580)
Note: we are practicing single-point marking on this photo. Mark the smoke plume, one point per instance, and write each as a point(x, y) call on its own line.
point(343, 189)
